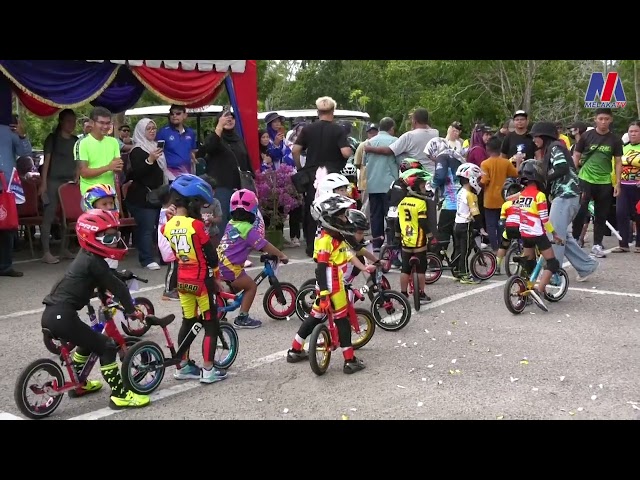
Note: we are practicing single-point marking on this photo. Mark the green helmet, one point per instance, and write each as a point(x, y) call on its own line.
point(409, 164)
point(426, 176)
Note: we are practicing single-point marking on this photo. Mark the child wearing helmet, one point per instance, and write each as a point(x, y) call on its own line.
point(333, 183)
point(361, 248)
point(331, 254)
point(99, 239)
point(189, 240)
point(509, 219)
point(241, 236)
point(534, 226)
point(351, 174)
point(414, 229)
point(467, 219)
point(102, 197)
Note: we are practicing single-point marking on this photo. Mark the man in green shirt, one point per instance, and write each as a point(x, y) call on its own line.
point(592, 157)
point(98, 154)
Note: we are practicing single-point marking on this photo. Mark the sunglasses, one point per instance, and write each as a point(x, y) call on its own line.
point(110, 239)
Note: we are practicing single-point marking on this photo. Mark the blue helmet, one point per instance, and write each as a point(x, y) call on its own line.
point(192, 186)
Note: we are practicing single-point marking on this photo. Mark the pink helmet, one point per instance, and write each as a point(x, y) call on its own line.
point(244, 199)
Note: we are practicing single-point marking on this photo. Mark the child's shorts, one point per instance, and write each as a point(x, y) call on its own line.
point(231, 273)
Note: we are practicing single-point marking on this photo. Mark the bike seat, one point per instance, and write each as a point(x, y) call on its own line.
point(160, 322)
point(414, 260)
point(49, 334)
point(267, 258)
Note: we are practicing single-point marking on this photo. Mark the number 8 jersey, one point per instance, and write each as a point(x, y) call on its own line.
point(187, 236)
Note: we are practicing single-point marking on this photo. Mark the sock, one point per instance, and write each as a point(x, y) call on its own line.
point(112, 376)
point(298, 343)
point(79, 362)
point(500, 261)
point(347, 353)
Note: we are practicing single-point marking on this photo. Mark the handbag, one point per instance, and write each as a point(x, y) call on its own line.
point(8, 207)
point(301, 180)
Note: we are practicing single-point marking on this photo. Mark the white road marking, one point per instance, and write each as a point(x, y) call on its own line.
point(8, 416)
point(605, 292)
point(23, 313)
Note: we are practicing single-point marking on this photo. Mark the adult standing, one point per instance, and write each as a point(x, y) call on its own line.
point(145, 175)
point(519, 143)
point(180, 144)
point(412, 144)
point(59, 168)
point(226, 155)
point(564, 188)
point(381, 170)
point(629, 190)
point(13, 144)
point(326, 144)
point(592, 156)
point(372, 131)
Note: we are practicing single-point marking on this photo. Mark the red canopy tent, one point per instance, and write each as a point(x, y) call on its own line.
point(46, 86)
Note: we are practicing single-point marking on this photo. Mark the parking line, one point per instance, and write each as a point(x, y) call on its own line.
point(23, 313)
point(605, 292)
point(8, 416)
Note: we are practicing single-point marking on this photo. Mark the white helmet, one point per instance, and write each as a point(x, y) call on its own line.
point(471, 172)
point(332, 181)
point(325, 209)
point(436, 146)
point(349, 170)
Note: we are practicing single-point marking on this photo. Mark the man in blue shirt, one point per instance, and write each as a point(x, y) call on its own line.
point(180, 143)
point(13, 144)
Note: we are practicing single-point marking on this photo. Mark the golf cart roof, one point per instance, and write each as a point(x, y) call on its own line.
point(163, 111)
point(312, 114)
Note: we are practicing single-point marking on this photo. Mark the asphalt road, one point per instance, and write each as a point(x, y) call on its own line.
point(464, 356)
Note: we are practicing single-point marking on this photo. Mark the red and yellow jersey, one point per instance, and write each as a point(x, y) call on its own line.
point(336, 254)
point(510, 214)
point(534, 213)
point(187, 236)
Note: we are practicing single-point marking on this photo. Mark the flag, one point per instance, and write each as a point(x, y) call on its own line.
point(15, 186)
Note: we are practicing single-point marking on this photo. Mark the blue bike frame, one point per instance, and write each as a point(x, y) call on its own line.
point(267, 272)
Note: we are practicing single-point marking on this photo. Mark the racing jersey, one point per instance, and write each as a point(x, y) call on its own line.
point(630, 165)
point(335, 254)
point(411, 211)
point(534, 214)
point(188, 238)
point(510, 214)
point(237, 242)
point(466, 206)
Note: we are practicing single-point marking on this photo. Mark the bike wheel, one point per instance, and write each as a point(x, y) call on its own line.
point(434, 269)
point(137, 328)
point(416, 288)
point(513, 294)
point(558, 287)
point(271, 301)
point(483, 264)
point(306, 283)
point(129, 342)
point(391, 310)
point(320, 349)
point(227, 346)
point(143, 367)
point(221, 303)
point(510, 267)
point(304, 301)
point(23, 387)
point(386, 256)
point(367, 324)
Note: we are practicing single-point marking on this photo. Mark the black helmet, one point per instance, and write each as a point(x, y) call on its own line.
point(531, 171)
point(511, 187)
point(359, 219)
point(544, 129)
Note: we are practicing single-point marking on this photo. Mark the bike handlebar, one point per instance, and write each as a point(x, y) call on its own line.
point(126, 275)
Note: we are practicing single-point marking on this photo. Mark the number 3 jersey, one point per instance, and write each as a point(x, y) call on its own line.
point(188, 237)
point(412, 221)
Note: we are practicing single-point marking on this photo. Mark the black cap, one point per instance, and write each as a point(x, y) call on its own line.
point(520, 113)
point(581, 126)
point(271, 116)
point(372, 126)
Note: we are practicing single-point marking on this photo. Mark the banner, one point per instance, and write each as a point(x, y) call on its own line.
point(15, 187)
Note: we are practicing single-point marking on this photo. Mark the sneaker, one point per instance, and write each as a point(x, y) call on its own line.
point(50, 259)
point(537, 299)
point(153, 266)
point(212, 376)
point(189, 372)
point(245, 321)
point(586, 277)
point(469, 280)
point(91, 386)
point(131, 400)
point(248, 264)
point(295, 357)
point(598, 252)
point(295, 242)
point(353, 366)
point(172, 295)
point(424, 299)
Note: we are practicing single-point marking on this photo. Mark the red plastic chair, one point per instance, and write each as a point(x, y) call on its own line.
point(70, 201)
point(29, 214)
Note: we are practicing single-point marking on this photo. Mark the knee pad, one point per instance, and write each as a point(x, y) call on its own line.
point(553, 265)
point(110, 352)
point(344, 332)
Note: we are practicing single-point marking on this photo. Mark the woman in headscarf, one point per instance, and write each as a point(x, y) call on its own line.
point(145, 175)
point(226, 156)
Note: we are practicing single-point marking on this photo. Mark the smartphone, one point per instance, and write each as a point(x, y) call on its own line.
point(282, 130)
point(160, 143)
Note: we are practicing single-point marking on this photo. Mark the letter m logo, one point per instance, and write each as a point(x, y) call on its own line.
point(605, 90)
